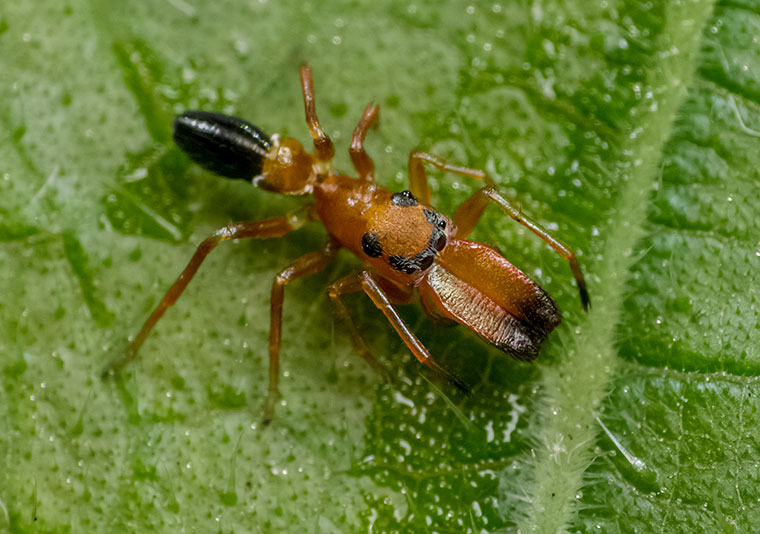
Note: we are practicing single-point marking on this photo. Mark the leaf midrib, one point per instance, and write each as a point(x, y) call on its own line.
point(575, 389)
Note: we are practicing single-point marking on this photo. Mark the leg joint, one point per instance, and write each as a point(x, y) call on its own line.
point(284, 277)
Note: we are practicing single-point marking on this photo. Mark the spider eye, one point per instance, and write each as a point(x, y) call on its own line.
point(371, 245)
point(439, 241)
point(435, 219)
point(404, 199)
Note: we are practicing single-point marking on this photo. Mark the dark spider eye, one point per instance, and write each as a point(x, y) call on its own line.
point(440, 242)
point(427, 260)
point(404, 199)
point(371, 245)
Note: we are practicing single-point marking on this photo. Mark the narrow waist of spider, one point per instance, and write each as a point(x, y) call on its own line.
point(322, 169)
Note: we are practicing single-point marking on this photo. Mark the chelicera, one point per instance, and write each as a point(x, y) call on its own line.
point(405, 245)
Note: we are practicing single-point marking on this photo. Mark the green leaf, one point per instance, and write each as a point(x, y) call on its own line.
point(629, 129)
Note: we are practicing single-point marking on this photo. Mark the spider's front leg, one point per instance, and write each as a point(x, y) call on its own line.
point(469, 213)
point(275, 227)
point(366, 282)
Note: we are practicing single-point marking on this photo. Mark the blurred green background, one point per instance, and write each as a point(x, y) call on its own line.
point(630, 129)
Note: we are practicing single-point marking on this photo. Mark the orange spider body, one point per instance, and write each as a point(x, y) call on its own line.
point(404, 243)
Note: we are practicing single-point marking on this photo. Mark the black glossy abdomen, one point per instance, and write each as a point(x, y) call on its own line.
point(224, 145)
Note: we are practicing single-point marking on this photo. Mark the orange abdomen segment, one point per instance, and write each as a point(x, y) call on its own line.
point(473, 285)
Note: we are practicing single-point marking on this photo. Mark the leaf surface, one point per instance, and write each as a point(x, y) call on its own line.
point(629, 130)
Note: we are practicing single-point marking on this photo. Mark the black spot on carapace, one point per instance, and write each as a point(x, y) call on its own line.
point(425, 259)
point(225, 145)
point(404, 199)
point(371, 245)
point(403, 264)
point(419, 262)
